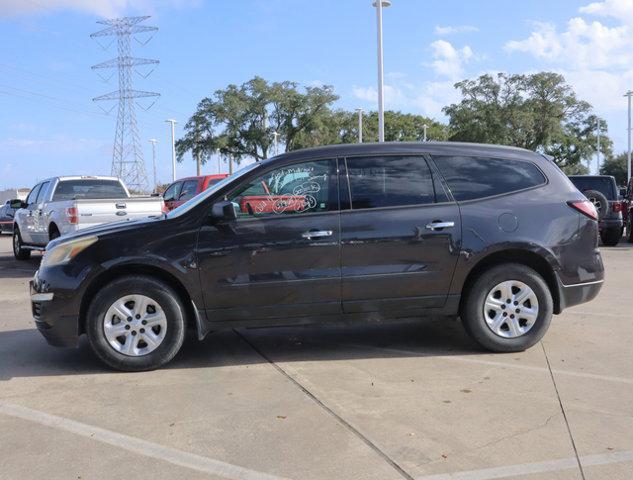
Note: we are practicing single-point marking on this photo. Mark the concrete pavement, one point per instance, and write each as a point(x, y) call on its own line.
point(414, 400)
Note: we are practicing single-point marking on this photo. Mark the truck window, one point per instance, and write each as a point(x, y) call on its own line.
point(43, 192)
point(88, 189)
point(33, 194)
point(189, 190)
point(604, 185)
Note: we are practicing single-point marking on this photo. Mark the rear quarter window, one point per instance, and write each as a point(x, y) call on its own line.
point(604, 185)
point(470, 178)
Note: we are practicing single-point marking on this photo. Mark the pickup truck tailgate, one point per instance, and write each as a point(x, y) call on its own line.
point(96, 212)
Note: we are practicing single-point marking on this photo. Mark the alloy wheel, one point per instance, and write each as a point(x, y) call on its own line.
point(135, 325)
point(511, 309)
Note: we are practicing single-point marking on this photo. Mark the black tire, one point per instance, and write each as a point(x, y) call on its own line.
point(611, 237)
point(472, 309)
point(54, 233)
point(151, 287)
point(19, 252)
point(599, 201)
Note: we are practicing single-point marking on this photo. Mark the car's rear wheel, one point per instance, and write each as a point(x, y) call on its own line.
point(508, 308)
point(611, 237)
point(136, 323)
point(19, 252)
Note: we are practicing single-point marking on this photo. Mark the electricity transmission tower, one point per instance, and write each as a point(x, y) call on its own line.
point(127, 156)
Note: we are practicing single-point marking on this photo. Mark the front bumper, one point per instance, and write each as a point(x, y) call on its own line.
point(58, 327)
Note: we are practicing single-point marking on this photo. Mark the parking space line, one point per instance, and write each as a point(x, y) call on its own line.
point(509, 471)
point(136, 445)
point(456, 358)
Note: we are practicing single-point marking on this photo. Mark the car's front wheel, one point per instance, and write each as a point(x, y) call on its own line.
point(19, 252)
point(508, 308)
point(136, 323)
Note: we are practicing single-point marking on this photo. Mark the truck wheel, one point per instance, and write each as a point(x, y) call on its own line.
point(508, 308)
point(136, 323)
point(599, 201)
point(54, 233)
point(19, 252)
point(611, 237)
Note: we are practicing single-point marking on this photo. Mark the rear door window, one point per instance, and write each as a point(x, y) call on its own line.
point(33, 194)
point(387, 181)
point(478, 177)
point(43, 192)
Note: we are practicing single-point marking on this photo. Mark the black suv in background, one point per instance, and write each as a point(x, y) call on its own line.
point(496, 235)
point(602, 191)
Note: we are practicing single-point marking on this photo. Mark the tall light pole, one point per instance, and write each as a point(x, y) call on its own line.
point(424, 127)
point(628, 153)
point(173, 148)
point(598, 148)
point(153, 141)
point(276, 142)
point(360, 125)
point(379, 4)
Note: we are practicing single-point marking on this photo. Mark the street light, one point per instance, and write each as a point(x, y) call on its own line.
point(173, 149)
point(424, 127)
point(153, 141)
point(360, 125)
point(276, 142)
point(628, 153)
point(381, 106)
point(598, 148)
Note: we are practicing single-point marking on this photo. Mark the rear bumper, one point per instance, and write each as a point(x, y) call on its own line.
point(578, 293)
point(611, 224)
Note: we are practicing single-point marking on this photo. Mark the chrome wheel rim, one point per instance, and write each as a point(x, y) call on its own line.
point(511, 309)
point(135, 325)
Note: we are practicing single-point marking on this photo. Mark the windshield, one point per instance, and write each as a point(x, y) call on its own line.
point(90, 189)
point(189, 204)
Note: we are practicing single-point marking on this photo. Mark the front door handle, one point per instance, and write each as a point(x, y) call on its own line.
point(439, 225)
point(310, 234)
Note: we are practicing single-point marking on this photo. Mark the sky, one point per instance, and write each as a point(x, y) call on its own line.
point(50, 126)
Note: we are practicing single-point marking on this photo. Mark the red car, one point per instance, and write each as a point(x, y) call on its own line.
point(182, 190)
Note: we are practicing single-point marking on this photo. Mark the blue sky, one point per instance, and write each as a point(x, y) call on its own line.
point(50, 126)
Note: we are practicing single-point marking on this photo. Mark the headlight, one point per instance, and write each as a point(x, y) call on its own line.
point(64, 252)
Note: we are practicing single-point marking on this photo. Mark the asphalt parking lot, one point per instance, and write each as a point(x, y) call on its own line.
point(414, 400)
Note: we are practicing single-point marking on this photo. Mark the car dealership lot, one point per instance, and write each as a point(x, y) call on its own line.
point(406, 400)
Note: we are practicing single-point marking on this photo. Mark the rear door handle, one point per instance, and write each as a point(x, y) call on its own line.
point(310, 234)
point(439, 225)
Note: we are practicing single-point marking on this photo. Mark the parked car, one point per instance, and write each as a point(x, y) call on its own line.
point(602, 191)
point(6, 218)
point(627, 209)
point(496, 235)
point(186, 188)
point(62, 205)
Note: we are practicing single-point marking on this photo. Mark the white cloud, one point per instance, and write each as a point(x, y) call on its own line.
point(449, 61)
point(105, 8)
point(450, 30)
point(619, 9)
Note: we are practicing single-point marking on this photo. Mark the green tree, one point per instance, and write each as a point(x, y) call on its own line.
point(616, 166)
point(239, 121)
point(539, 112)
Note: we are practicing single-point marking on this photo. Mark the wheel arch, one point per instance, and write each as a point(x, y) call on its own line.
point(53, 227)
point(528, 258)
point(119, 271)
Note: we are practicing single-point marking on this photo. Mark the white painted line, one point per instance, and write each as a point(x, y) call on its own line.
point(457, 358)
point(136, 445)
point(509, 471)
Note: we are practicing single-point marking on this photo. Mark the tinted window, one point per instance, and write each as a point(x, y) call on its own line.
point(43, 192)
point(189, 189)
point(291, 189)
point(172, 192)
point(389, 181)
point(91, 189)
point(33, 194)
point(478, 177)
point(604, 185)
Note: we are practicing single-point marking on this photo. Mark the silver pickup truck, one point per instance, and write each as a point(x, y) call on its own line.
point(61, 205)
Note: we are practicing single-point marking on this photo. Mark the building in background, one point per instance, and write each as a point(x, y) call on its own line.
point(12, 193)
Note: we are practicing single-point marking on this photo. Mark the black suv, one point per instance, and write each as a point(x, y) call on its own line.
point(602, 191)
point(496, 235)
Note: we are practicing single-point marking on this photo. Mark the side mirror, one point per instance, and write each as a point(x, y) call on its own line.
point(223, 211)
point(623, 192)
point(16, 204)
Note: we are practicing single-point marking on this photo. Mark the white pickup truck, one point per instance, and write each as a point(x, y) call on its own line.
point(61, 205)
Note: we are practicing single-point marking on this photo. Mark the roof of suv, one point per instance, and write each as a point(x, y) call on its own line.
point(433, 148)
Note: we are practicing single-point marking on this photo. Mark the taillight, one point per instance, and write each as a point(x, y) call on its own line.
point(585, 207)
point(616, 207)
point(71, 212)
point(164, 208)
